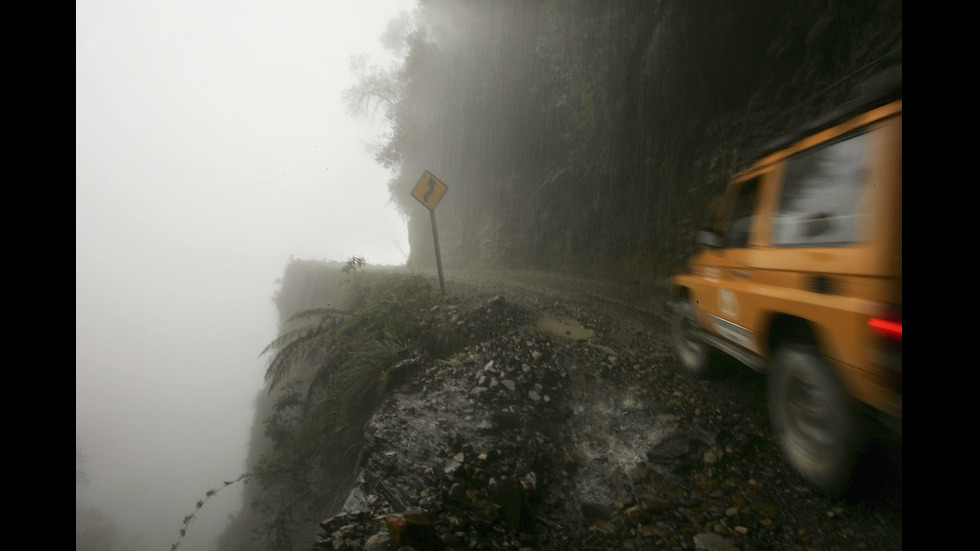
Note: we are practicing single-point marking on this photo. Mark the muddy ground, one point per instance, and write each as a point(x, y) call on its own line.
point(567, 423)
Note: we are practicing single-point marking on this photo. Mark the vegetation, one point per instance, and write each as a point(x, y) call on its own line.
point(330, 369)
point(589, 135)
point(188, 519)
point(94, 529)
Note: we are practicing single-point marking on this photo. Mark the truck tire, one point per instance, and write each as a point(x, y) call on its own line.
point(813, 418)
point(693, 352)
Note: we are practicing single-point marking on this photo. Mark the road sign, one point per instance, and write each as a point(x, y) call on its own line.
point(429, 190)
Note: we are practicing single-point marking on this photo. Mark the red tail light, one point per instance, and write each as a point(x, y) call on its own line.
point(890, 327)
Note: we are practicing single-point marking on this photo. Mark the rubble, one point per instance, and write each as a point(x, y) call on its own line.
point(526, 440)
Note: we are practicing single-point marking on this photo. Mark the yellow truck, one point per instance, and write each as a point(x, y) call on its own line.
point(800, 277)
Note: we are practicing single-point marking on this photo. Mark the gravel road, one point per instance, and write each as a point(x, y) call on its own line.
point(571, 393)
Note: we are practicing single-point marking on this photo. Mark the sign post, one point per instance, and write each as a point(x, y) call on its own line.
point(429, 191)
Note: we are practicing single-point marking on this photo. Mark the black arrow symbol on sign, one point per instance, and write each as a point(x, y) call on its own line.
point(432, 187)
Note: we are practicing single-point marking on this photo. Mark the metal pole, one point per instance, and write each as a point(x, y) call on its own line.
point(435, 239)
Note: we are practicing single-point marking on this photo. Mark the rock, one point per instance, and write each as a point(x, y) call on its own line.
point(594, 511)
point(606, 527)
point(636, 514)
point(378, 542)
point(713, 455)
point(709, 541)
point(509, 496)
point(356, 502)
point(413, 529)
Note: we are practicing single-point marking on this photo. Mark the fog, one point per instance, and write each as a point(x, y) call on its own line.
point(212, 144)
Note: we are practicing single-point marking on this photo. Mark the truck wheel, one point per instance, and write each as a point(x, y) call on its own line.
point(813, 418)
point(694, 353)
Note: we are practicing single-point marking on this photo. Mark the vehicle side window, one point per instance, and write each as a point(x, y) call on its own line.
point(737, 235)
point(822, 199)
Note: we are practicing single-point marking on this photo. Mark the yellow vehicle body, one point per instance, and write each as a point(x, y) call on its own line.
point(806, 247)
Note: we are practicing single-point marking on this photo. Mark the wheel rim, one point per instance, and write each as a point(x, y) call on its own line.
point(690, 346)
point(810, 418)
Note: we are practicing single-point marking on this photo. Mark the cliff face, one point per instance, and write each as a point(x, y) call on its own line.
point(590, 136)
point(305, 285)
point(343, 331)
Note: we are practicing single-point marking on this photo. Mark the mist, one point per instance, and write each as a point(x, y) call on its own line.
point(212, 145)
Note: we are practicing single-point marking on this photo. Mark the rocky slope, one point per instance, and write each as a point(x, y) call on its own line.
point(569, 425)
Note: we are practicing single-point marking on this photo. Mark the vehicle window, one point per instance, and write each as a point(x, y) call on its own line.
point(822, 201)
point(737, 235)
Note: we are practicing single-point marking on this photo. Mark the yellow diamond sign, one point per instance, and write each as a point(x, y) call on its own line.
point(429, 190)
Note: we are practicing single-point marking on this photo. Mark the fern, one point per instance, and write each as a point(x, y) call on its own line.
point(308, 343)
point(331, 369)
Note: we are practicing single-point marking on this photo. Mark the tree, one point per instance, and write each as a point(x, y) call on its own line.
point(94, 530)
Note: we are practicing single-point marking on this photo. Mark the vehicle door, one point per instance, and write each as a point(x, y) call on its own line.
point(725, 303)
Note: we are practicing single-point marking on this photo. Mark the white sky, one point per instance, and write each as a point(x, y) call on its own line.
point(211, 145)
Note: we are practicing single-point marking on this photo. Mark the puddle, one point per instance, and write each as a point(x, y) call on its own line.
point(563, 327)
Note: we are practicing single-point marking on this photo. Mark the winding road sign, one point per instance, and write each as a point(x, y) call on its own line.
point(429, 190)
